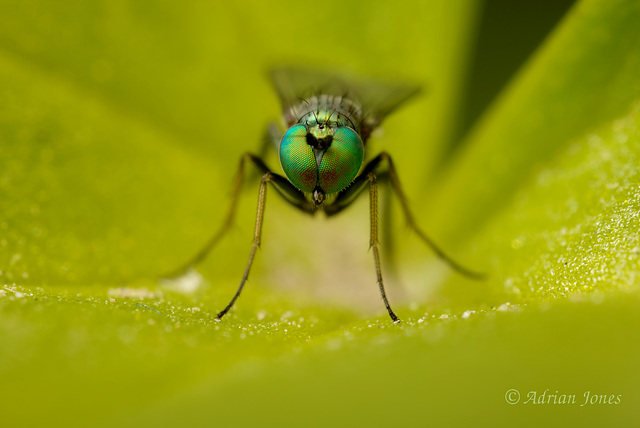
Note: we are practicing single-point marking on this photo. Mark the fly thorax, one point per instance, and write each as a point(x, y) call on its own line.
point(326, 109)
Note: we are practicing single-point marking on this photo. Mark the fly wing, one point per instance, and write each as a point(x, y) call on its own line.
point(377, 99)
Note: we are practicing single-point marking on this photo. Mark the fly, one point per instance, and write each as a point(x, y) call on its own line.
point(329, 121)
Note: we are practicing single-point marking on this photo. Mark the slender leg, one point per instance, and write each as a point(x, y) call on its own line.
point(270, 140)
point(282, 185)
point(262, 197)
point(347, 196)
point(291, 195)
point(204, 251)
point(373, 242)
point(395, 184)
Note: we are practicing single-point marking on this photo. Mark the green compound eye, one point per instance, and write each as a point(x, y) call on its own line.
point(342, 160)
point(297, 159)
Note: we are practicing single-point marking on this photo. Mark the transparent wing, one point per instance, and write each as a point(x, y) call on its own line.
point(377, 99)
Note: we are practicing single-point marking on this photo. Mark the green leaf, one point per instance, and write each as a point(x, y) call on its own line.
point(121, 127)
point(584, 76)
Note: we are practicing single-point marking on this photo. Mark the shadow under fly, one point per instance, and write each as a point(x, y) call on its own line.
point(329, 120)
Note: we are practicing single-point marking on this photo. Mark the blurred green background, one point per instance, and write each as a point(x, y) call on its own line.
point(121, 125)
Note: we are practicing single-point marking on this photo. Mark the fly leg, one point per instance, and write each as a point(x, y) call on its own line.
point(283, 187)
point(373, 239)
point(411, 222)
point(350, 194)
point(293, 196)
point(262, 198)
point(344, 199)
